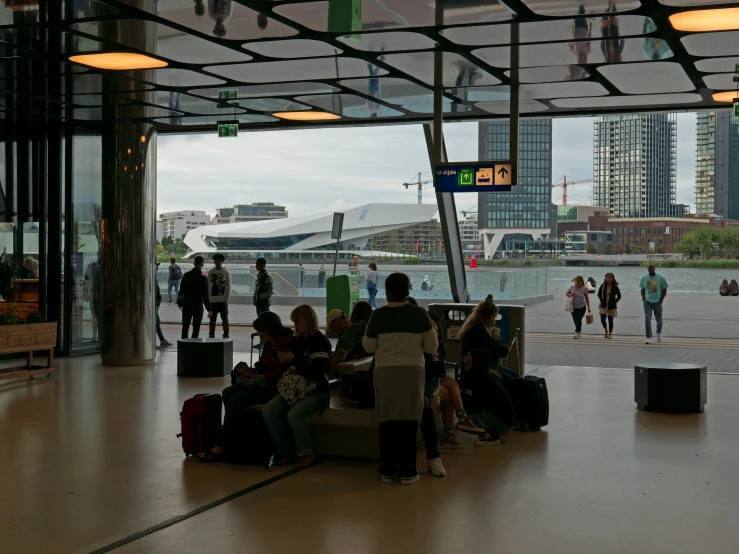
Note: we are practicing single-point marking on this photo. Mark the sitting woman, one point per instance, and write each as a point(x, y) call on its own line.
point(257, 385)
point(734, 288)
point(303, 390)
point(479, 332)
point(723, 290)
point(487, 402)
point(361, 311)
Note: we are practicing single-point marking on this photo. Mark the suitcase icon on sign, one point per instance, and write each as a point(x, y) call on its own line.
point(484, 177)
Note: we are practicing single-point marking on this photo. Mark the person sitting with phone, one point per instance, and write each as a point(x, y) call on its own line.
point(479, 332)
point(249, 386)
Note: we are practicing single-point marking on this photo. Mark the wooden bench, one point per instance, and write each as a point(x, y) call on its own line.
point(29, 338)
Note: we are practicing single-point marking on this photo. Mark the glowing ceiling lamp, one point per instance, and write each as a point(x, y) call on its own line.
point(723, 19)
point(727, 96)
point(118, 61)
point(307, 115)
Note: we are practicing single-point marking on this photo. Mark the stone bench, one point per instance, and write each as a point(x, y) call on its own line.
point(361, 364)
point(205, 357)
point(670, 388)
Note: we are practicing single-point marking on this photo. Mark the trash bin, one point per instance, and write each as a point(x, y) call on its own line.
point(509, 318)
point(342, 292)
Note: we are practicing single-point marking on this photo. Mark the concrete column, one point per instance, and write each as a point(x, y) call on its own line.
point(129, 205)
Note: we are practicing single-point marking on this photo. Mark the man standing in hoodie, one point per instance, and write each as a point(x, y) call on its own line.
point(219, 291)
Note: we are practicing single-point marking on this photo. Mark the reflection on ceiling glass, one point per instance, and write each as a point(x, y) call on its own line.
point(504, 106)
point(82, 9)
point(278, 89)
point(388, 89)
point(294, 48)
point(388, 42)
point(426, 105)
point(213, 120)
point(92, 83)
point(272, 105)
point(717, 65)
point(537, 91)
point(693, 3)
point(628, 101)
point(191, 104)
point(712, 44)
point(457, 71)
point(181, 78)
point(648, 78)
point(88, 114)
point(581, 52)
point(392, 14)
point(225, 19)
point(720, 81)
point(547, 31)
point(315, 68)
point(551, 74)
point(350, 105)
point(574, 7)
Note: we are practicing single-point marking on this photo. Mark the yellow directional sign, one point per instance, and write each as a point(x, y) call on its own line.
point(502, 175)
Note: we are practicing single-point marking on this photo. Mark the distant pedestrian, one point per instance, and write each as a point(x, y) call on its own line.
point(733, 288)
point(372, 278)
point(219, 291)
point(609, 295)
point(724, 289)
point(162, 341)
point(653, 291)
point(193, 294)
point(354, 265)
point(174, 280)
point(580, 299)
point(262, 287)
point(322, 277)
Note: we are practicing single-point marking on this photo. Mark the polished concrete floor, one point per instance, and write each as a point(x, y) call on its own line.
point(90, 458)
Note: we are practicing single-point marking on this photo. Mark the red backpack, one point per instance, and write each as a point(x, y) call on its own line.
point(200, 420)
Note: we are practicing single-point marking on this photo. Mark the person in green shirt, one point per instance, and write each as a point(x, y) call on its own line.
point(653, 291)
point(350, 334)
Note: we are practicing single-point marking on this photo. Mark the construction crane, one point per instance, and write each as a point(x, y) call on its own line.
point(471, 211)
point(564, 184)
point(419, 183)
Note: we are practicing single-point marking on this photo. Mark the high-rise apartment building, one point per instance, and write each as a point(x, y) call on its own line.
point(524, 213)
point(717, 164)
point(634, 159)
point(241, 213)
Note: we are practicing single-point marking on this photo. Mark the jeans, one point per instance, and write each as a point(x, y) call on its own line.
point(650, 307)
point(577, 316)
point(236, 399)
point(215, 309)
point(428, 430)
point(288, 425)
point(507, 374)
point(174, 284)
point(398, 448)
point(262, 306)
point(488, 420)
point(372, 293)
point(196, 316)
point(159, 327)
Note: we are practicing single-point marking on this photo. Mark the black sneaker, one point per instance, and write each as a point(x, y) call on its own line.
point(491, 438)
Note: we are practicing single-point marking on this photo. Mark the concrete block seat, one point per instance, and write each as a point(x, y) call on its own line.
point(205, 357)
point(670, 388)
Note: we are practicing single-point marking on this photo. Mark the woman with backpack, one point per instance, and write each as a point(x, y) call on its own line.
point(249, 386)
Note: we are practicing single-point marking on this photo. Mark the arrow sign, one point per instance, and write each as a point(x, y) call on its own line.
point(502, 174)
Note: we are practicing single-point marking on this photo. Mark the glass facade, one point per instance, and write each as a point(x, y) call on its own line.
point(634, 169)
point(527, 206)
point(717, 164)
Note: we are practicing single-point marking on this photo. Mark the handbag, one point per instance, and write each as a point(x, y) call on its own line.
point(570, 304)
point(293, 387)
point(589, 319)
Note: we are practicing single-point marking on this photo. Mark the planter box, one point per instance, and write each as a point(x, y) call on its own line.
point(28, 338)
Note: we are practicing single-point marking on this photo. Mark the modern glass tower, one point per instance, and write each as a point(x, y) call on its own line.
point(524, 213)
point(717, 164)
point(634, 159)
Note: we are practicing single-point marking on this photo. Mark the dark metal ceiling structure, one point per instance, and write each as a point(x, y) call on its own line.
point(372, 61)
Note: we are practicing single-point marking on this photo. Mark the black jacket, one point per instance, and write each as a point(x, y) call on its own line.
point(194, 288)
point(479, 338)
point(263, 288)
point(612, 300)
point(312, 358)
point(487, 391)
point(159, 295)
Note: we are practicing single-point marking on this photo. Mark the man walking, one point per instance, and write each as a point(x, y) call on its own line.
point(162, 341)
point(262, 287)
point(653, 291)
point(193, 294)
point(174, 280)
point(220, 295)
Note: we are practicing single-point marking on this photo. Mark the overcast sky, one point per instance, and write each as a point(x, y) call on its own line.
point(329, 169)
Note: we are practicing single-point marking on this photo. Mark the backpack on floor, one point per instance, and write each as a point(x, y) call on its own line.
point(200, 420)
point(253, 445)
point(360, 387)
point(530, 400)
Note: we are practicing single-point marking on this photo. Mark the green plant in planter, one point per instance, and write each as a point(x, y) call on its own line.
point(36, 317)
point(11, 316)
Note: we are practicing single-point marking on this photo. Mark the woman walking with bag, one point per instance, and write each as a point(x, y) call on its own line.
point(372, 277)
point(580, 301)
point(609, 295)
point(303, 390)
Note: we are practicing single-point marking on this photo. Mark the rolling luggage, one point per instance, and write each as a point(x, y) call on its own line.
point(530, 400)
point(200, 420)
point(253, 445)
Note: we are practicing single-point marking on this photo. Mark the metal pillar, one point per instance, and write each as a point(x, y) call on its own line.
point(129, 207)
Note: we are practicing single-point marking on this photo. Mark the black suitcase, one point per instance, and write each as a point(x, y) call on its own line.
point(530, 400)
point(253, 445)
point(360, 387)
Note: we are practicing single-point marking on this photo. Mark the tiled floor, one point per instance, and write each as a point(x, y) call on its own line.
point(90, 457)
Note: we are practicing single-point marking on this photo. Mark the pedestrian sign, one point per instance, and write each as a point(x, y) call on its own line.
point(228, 94)
point(502, 174)
point(736, 109)
point(736, 68)
point(465, 177)
point(228, 130)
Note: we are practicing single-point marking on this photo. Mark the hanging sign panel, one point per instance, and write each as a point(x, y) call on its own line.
point(473, 177)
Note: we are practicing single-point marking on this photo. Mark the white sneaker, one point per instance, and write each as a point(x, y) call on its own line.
point(410, 480)
point(648, 341)
point(575, 336)
point(659, 338)
point(436, 468)
point(579, 335)
point(391, 479)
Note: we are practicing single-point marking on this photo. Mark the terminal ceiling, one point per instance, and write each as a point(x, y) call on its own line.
point(299, 55)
